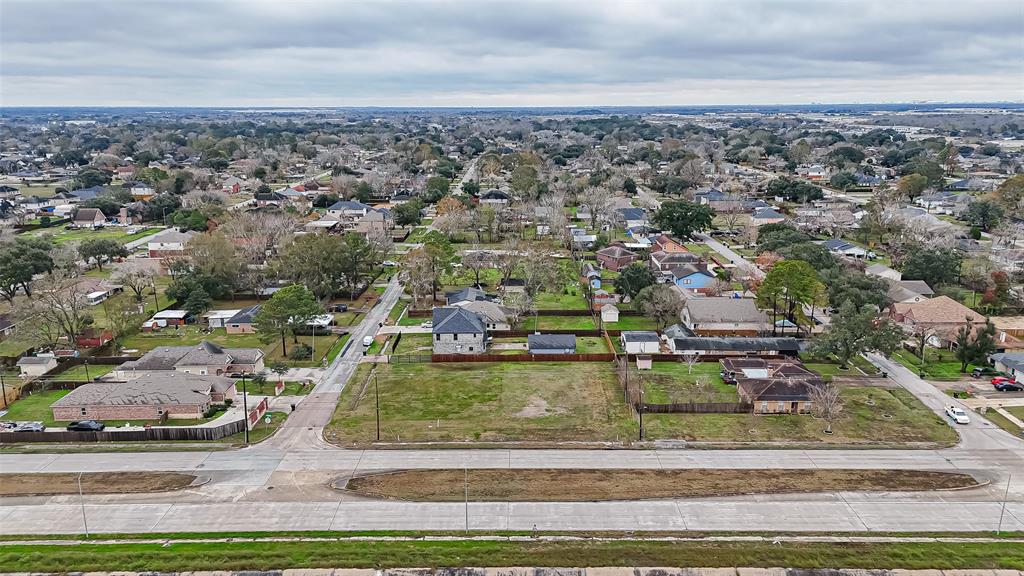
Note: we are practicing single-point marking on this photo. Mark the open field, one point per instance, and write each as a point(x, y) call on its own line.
point(361, 553)
point(62, 234)
point(895, 417)
point(93, 483)
point(668, 382)
point(536, 401)
point(553, 485)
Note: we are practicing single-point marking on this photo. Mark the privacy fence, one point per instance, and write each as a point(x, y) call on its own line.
point(193, 434)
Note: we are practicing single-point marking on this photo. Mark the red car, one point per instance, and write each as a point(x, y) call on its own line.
point(1003, 380)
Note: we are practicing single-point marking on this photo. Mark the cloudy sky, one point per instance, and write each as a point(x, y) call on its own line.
point(520, 53)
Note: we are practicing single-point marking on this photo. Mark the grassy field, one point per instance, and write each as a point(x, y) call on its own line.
point(260, 432)
point(1003, 422)
point(93, 483)
point(264, 555)
point(62, 234)
point(861, 423)
point(543, 401)
point(548, 301)
point(668, 382)
point(414, 344)
point(553, 485)
point(939, 364)
point(191, 335)
point(78, 373)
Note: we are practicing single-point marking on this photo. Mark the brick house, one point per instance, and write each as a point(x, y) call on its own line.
point(666, 243)
point(615, 258)
point(458, 331)
point(941, 316)
point(243, 321)
point(771, 386)
point(724, 316)
point(203, 359)
point(170, 242)
point(147, 397)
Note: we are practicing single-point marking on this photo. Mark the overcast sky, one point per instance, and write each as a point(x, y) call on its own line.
point(482, 53)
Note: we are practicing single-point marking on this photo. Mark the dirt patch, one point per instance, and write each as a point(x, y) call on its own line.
point(537, 407)
point(93, 483)
point(590, 485)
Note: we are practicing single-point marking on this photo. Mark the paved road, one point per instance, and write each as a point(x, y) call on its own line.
point(732, 256)
point(282, 483)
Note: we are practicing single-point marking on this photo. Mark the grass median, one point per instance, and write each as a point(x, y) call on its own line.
point(167, 557)
point(92, 483)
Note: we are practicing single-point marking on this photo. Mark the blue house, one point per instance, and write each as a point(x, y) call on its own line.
point(691, 276)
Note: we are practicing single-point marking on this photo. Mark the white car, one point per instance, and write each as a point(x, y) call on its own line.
point(427, 324)
point(367, 341)
point(957, 415)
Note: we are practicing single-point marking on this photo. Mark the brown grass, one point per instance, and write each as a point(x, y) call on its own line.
point(92, 483)
point(589, 485)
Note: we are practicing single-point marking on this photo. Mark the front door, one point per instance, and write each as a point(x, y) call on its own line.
point(794, 407)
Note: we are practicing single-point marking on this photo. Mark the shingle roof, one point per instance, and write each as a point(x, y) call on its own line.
point(640, 336)
point(88, 214)
point(148, 390)
point(774, 390)
point(206, 354)
point(939, 310)
point(737, 344)
point(245, 315)
point(724, 309)
point(615, 252)
point(456, 321)
point(34, 360)
point(348, 205)
point(551, 341)
point(1014, 360)
point(469, 294)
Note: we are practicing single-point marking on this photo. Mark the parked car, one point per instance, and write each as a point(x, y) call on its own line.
point(427, 324)
point(957, 415)
point(1009, 387)
point(30, 427)
point(1002, 380)
point(983, 371)
point(6, 425)
point(389, 263)
point(86, 426)
point(338, 308)
point(367, 341)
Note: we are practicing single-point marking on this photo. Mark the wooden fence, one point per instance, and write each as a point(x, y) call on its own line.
point(194, 434)
point(697, 408)
point(604, 357)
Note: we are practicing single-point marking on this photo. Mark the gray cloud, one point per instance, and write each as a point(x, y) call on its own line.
point(478, 52)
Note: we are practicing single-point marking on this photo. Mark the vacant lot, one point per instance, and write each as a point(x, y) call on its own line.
point(490, 485)
point(871, 416)
point(192, 334)
point(454, 402)
point(93, 483)
point(63, 234)
point(668, 382)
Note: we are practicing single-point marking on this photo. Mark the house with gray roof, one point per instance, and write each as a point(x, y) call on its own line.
point(733, 346)
point(148, 397)
point(551, 343)
point(724, 316)
point(458, 331)
point(205, 358)
point(243, 322)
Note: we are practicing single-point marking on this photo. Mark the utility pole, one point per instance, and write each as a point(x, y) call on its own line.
point(376, 394)
point(3, 387)
point(81, 501)
point(465, 484)
point(245, 409)
point(87, 379)
point(1002, 511)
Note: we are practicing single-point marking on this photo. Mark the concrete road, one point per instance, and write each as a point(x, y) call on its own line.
point(732, 256)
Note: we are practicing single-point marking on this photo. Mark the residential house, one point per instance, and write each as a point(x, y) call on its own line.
point(348, 209)
point(494, 197)
point(169, 243)
point(243, 321)
point(494, 315)
point(815, 172)
point(734, 346)
point(724, 316)
point(944, 202)
point(205, 358)
point(264, 199)
point(640, 341)
point(941, 317)
point(219, 318)
point(469, 294)
point(33, 366)
point(148, 397)
point(632, 217)
point(376, 220)
point(669, 245)
point(1009, 363)
point(883, 271)
point(141, 191)
point(691, 276)
point(85, 194)
point(551, 343)
point(615, 257)
point(458, 331)
point(165, 318)
point(665, 261)
point(591, 275)
point(841, 247)
point(762, 216)
point(609, 314)
point(602, 298)
point(909, 291)
point(232, 185)
point(771, 386)
point(88, 218)
point(124, 173)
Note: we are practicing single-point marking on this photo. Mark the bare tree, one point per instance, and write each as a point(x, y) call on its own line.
point(660, 302)
point(518, 305)
point(691, 359)
point(732, 213)
point(509, 258)
point(826, 403)
point(57, 311)
point(477, 260)
point(137, 277)
point(418, 274)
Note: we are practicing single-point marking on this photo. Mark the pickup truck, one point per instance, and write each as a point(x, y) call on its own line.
point(957, 415)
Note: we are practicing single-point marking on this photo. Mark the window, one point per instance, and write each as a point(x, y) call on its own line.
point(470, 348)
point(83, 411)
point(202, 372)
point(782, 406)
point(437, 337)
point(455, 337)
point(764, 406)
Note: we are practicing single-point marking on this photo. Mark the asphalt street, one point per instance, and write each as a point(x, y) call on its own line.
point(283, 483)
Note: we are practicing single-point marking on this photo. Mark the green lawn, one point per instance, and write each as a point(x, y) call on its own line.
point(259, 432)
point(191, 335)
point(79, 373)
point(548, 301)
point(536, 401)
point(559, 323)
point(940, 364)
point(861, 423)
point(63, 234)
point(1003, 422)
point(668, 382)
point(235, 555)
point(591, 345)
point(632, 323)
point(413, 344)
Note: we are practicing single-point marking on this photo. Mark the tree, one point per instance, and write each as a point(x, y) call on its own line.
point(683, 218)
point(935, 266)
point(912, 185)
point(416, 274)
point(470, 187)
point(855, 331)
point(524, 180)
point(357, 259)
point(216, 256)
point(691, 359)
point(629, 186)
point(826, 403)
point(101, 250)
point(197, 301)
point(661, 303)
point(408, 214)
point(1010, 194)
point(136, 277)
point(984, 214)
point(843, 180)
point(58, 310)
point(794, 191)
point(436, 188)
point(634, 278)
point(20, 260)
point(792, 284)
point(974, 346)
point(289, 308)
point(315, 261)
point(477, 261)
point(450, 205)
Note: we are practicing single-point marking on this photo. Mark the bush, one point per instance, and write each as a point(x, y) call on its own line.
point(975, 233)
point(228, 402)
point(215, 409)
point(300, 352)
